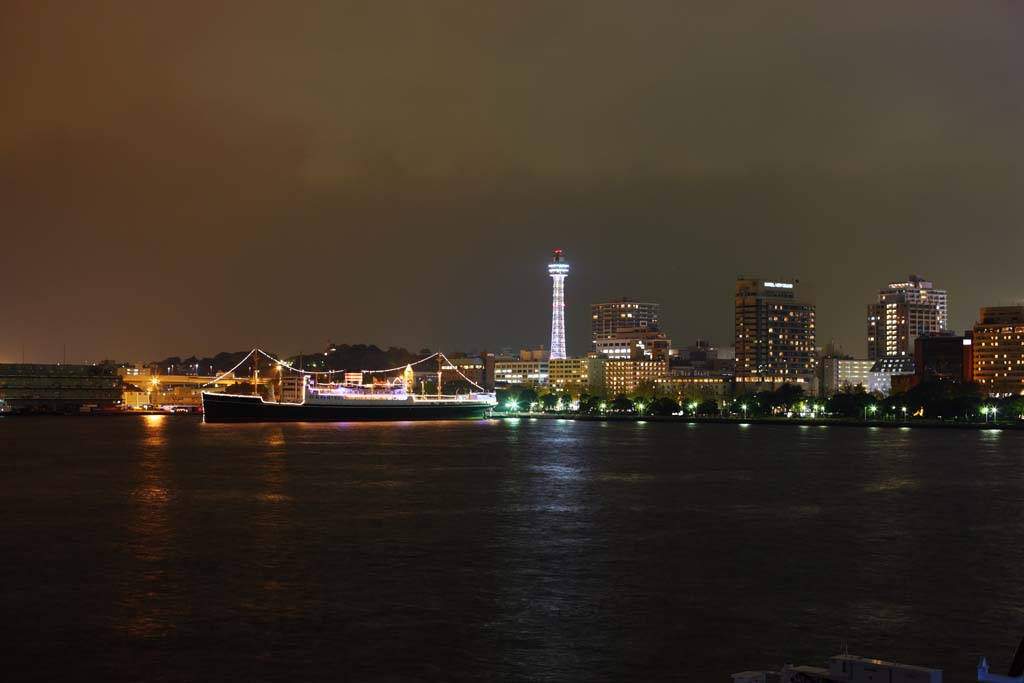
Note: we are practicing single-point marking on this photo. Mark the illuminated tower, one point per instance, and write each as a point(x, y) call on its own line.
point(558, 269)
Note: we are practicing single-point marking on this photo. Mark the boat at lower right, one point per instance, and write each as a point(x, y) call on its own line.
point(847, 668)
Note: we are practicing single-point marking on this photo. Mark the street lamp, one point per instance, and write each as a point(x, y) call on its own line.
point(693, 407)
point(904, 412)
point(744, 408)
point(640, 408)
point(870, 409)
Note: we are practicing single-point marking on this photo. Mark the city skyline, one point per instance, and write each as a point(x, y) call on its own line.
point(459, 340)
point(577, 329)
point(152, 210)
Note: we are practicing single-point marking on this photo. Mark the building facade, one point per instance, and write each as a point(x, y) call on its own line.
point(626, 376)
point(905, 311)
point(293, 387)
point(837, 374)
point(607, 320)
point(59, 388)
point(775, 333)
point(884, 369)
point(534, 354)
point(944, 357)
point(579, 373)
point(634, 343)
point(477, 369)
point(515, 372)
point(144, 388)
point(998, 343)
point(696, 388)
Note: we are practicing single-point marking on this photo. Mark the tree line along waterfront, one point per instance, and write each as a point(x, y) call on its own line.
point(934, 401)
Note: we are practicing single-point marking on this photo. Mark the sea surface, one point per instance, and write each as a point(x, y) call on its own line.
point(160, 548)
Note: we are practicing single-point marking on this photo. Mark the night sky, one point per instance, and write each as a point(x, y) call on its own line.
point(208, 176)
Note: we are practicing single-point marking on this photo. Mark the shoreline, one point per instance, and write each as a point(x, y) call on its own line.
point(1017, 425)
point(120, 413)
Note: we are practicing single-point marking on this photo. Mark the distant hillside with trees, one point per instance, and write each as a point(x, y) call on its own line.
point(351, 357)
point(359, 357)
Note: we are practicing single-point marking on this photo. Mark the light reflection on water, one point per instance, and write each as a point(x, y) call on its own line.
point(149, 614)
point(274, 466)
point(505, 549)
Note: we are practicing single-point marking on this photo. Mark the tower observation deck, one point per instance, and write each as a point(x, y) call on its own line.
point(558, 269)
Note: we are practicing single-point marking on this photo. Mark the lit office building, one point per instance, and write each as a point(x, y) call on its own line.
point(839, 374)
point(579, 373)
point(774, 333)
point(694, 388)
point(531, 372)
point(626, 376)
point(998, 344)
point(634, 343)
point(904, 312)
point(608, 320)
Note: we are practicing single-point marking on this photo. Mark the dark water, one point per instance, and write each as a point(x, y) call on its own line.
point(164, 549)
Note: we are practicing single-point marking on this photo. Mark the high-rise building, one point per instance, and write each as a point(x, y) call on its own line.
point(558, 269)
point(904, 312)
point(998, 344)
point(774, 332)
point(607, 320)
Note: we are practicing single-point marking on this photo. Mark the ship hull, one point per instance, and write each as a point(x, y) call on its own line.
point(228, 408)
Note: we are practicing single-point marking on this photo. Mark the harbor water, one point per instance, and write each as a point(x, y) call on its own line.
point(161, 548)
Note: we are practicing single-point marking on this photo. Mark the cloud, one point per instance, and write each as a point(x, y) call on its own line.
point(398, 172)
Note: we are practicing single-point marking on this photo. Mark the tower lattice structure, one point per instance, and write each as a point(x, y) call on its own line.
point(558, 269)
